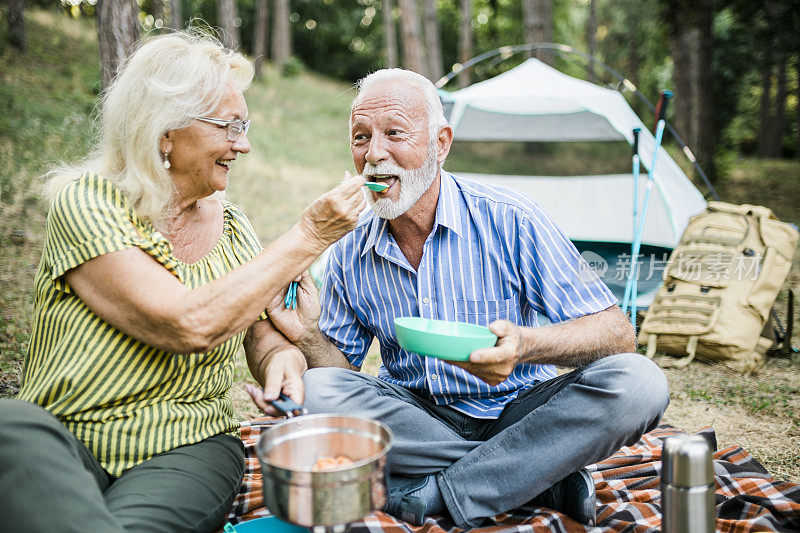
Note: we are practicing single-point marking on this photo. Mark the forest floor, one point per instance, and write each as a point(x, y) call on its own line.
point(300, 150)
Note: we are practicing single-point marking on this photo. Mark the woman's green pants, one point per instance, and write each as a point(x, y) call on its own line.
point(50, 481)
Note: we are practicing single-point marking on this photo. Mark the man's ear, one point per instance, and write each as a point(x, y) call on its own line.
point(443, 143)
point(165, 143)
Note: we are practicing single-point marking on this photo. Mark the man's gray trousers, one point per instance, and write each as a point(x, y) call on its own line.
point(488, 466)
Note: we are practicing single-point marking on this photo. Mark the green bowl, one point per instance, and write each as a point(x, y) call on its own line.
point(453, 341)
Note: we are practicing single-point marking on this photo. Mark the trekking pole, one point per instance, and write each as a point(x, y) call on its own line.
point(635, 157)
point(651, 176)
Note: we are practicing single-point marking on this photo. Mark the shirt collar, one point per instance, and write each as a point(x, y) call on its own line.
point(376, 226)
point(448, 215)
point(448, 211)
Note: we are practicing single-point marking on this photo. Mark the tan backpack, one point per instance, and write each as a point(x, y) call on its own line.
point(720, 284)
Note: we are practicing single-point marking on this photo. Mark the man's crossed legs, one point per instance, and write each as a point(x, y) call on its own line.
point(484, 467)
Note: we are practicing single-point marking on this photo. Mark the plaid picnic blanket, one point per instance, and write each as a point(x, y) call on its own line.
point(747, 497)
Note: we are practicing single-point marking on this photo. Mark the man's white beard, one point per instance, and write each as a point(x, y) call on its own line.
point(413, 184)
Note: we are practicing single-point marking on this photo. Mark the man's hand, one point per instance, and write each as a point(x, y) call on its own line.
point(284, 373)
point(296, 324)
point(494, 365)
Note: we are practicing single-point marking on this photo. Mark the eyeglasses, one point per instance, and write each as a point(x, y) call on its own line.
point(234, 128)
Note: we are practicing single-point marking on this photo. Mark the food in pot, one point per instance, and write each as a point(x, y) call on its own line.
point(324, 464)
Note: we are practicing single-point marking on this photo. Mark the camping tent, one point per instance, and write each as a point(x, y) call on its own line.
point(536, 103)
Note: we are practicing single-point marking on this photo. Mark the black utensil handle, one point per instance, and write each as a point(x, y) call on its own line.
point(288, 407)
point(661, 107)
point(662, 110)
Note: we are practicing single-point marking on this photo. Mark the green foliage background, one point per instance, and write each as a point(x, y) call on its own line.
point(344, 39)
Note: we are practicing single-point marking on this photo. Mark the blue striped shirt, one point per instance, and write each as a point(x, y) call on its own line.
point(492, 254)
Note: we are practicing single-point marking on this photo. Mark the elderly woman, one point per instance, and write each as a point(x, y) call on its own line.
point(147, 287)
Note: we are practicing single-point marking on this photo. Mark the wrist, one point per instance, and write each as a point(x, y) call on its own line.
point(303, 334)
point(310, 340)
point(525, 346)
point(299, 360)
point(292, 358)
point(306, 232)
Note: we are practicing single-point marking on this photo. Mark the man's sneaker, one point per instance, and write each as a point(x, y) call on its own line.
point(573, 496)
point(400, 504)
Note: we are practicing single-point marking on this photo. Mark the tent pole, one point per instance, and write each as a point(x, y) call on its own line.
point(635, 158)
point(630, 286)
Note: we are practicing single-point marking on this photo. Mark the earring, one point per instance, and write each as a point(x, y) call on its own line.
point(164, 156)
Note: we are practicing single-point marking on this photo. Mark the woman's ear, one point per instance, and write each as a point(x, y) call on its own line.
point(165, 144)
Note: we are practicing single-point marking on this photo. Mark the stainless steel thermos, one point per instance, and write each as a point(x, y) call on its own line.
point(687, 485)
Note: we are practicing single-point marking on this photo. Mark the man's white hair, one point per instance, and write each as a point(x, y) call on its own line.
point(433, 105)
point(165, 84)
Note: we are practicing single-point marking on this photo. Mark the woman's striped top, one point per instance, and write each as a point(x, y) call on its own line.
point(125, 400)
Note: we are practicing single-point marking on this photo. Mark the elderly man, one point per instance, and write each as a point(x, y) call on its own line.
point(478, 438)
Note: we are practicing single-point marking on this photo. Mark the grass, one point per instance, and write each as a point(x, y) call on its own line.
point(46, 102)
point(760, 412)
point(47, 97)
point(300, 150)
point(764, 398)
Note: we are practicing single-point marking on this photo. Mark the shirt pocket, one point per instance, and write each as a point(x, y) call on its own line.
point(484, 312)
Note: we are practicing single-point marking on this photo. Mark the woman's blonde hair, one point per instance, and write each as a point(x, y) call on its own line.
point(165, 84)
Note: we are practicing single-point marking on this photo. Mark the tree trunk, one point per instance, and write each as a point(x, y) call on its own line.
point(537, 17)
point(702, 115)
point(176, 15)
point(117, 31)
point(765, 113)
point(528, 22)
point(785, 19)
point(389, 34)
point(260, 37)
point(226, 20)
point(633, 19)
point(771, 42)
point(431, 26)
point(797, 109)
point(681, 86)
point(412, 43)
point(16, 25)
point(779, 121)
point(591, 37)
point(465, 42)
point(158, 14)
point(691, 42)
point(281, 32)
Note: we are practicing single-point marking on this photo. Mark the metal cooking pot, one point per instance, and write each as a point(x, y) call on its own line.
point(288, 451)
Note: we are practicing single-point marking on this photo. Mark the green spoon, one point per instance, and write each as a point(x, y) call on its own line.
point(375, 186)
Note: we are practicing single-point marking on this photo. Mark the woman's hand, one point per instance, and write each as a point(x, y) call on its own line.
point(334, 213)
point(296, 324)
point(284, 374)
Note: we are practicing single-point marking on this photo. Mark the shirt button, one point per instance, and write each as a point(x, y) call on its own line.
point(434, 377)
point(425, 300)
